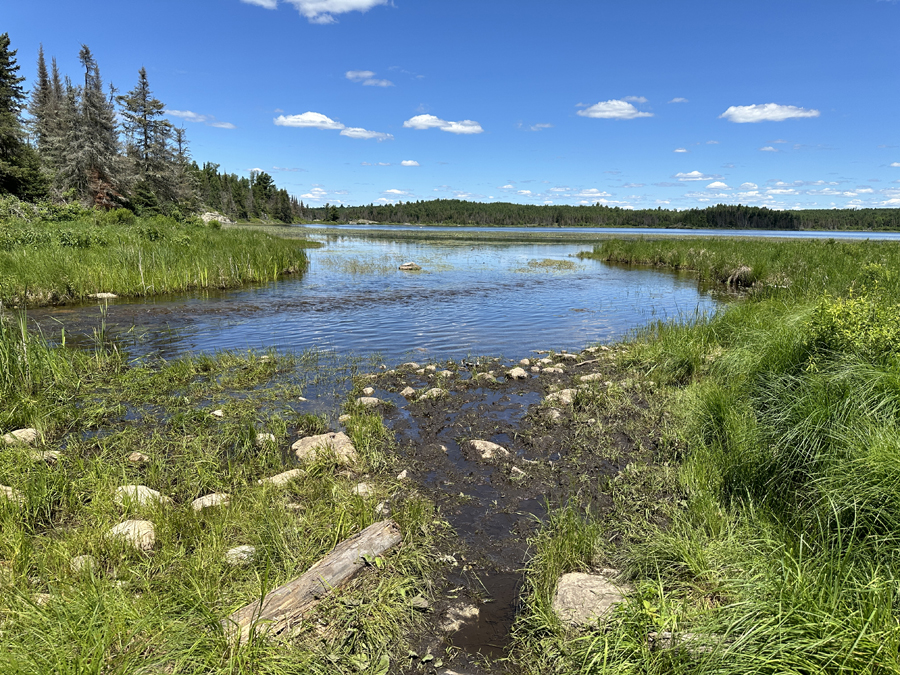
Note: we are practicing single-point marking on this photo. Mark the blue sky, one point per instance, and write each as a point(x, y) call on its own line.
point(788, 104)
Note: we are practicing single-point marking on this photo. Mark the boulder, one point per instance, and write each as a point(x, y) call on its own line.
point(409, 392)
point(369, 391)
point(369, 401)
point(307, 449)
point(412, 365)
point(139, 495)
point(431, 368)
point(585, 598)
point(21, 437)
point(432, 393)
point(593, 377)
point(525, 363)
point(210, 501)
point(140, 534)
point(282, 478)
point(446, 373)
point(517, 374)
point(488, 450)
point(240, 555)
point(568, 357)
point(410, 267)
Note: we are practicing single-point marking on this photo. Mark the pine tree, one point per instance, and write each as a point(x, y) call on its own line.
point(19, 164)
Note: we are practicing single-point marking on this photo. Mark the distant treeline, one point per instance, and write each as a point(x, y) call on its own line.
point(457, 212)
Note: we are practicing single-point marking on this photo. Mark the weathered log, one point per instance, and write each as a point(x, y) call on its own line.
point(285, 606)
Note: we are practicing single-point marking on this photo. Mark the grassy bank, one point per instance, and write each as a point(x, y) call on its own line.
point(127, 611)
point(47, 263)
point(781, 554)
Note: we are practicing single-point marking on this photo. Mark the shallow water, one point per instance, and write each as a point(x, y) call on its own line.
point(498, 299)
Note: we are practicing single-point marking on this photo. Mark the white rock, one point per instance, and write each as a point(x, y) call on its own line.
point(446, 373)
point(403, 475)
point(343, 419)
point(432, 393)
point(525, 362)
point(535, 369)
point(339, 443)
point(420, 371)
point(10, 494)
point(218, 413)
point(21, 436)
point(517, 374)
point(431, 368)
point(49, 456)
point(568, 357)
point(369, 391)
point(593, 377)
point(363, 490)
point(302, 399)
point(263, 439)
point(584, 598)
point(546, 362)
point(552, 371)
point(516, 472)
point(83, 564)
point(383, 510)
point(488, 450)
point(485, 377)
point(409, 392)
point(457, 617)
point(240, 555)
point(369, 401)
point(138, 458)
point(210, 501)
point(138, 495)
point(282, 478)
point(565, 397)
point(103, 296)
point(412, 365)
point(138, 533)
point(410, 267)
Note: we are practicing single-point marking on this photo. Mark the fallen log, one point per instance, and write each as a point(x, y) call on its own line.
point(285, 606)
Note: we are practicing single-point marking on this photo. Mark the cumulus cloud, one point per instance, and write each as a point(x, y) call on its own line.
point(749, 186)
point(208, 120)
point(635, 99)
point(507, 187)
point(678, 100)
point(695, 175)
point(633, 185)
point(432, 122)
point(717, 185)
point(409, 162)
point(895, 165)
point(367, 78)
point(323, 11)
point(766, 112)
point(314, 120)
point(768, 148)
point(592, 192)
point(680, 150)
point(524, 192)
point(394, 191)
point(613, 110)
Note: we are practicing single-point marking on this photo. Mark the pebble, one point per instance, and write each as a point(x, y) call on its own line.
point(525, 362)
point(432, 393)
point(552, 371)
point(488, 450)
point(369, 401)
point(431, 368)
point(369, 391)
point(403, 475)
point(593, 377)
point(343, 419)
point(409, 392)
point(565, 397)
point(218, 413)
point(363, 490)
point(412, 365)
point(282, 478)
point(446, 373)
point(517, 472)
point(138, 458)
point(264, 439)
point(383, 510)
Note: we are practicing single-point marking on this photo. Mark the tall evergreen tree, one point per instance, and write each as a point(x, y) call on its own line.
point(19, 164)
point(90, 164)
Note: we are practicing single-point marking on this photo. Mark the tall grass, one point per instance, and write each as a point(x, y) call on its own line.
point(783, 556)
point(54, 263)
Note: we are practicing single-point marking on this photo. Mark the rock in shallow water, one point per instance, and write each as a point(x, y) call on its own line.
point(488, 450)
point(517, 374)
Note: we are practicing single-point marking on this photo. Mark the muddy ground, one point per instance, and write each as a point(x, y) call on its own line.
point(559, 452)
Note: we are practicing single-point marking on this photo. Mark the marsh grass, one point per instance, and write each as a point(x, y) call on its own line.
point(781, 555)
point(160, 611)
point(56, 263)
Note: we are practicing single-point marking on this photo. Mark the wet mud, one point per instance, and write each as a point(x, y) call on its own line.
point(559, 452)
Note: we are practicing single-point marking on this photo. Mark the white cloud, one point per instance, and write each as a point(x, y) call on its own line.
point(541, 127)
point(560, 189)
point(323, 11)
point(367, 77)
point(717, 185)
point(779, 140)
point(680, 150)
point(314, 120)
point(432, 122)
point(507, 187)
point(765, 112)
point(524, 192)
point(633, 185)
point(896, 165)
point(635, 99)
point(268, 4)
point(613, 110)
point(768, 148)
point(712, 142)
point(749, 186)
point(592, 192)
point(865, 190)
point(394, 191)
point(359, 75)
point(678, 100)
point(208, 120)
point(409, 162)
point(308, 120)
point(365, 134)
point(694, 175)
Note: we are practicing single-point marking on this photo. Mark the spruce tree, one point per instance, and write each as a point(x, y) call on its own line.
point(19, 165)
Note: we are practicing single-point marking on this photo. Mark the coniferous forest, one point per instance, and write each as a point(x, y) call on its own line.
point(73, 141)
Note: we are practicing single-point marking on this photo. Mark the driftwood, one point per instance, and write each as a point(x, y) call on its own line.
point(285, 606)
